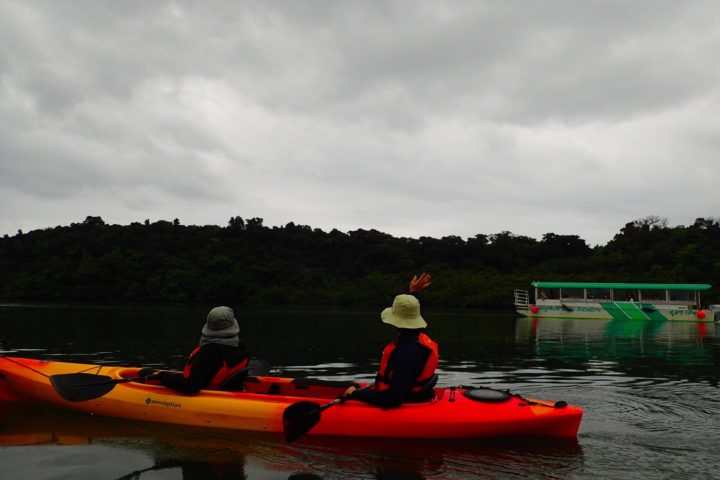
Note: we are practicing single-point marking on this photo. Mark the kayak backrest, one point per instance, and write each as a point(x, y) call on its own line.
point(236, 381)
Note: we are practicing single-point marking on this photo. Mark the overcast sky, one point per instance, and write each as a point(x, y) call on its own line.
point(414, 118)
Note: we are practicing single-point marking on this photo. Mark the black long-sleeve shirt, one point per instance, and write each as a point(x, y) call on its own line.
point(208, 361)
point(408, 361)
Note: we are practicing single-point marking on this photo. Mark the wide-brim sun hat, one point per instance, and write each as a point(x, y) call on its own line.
point(221, 323)
point(404, 313)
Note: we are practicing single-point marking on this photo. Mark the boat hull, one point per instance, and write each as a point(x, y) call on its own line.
point(450, 415)
point(614, 311)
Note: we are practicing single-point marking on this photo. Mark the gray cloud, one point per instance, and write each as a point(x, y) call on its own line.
point(437, 118)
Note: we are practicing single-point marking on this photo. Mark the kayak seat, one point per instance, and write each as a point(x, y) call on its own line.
point(236, 381)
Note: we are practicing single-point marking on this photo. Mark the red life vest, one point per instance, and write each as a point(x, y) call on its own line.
point(382, 381)
point(221, 375)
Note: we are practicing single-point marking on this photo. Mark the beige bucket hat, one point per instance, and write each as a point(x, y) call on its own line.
point(404, 313)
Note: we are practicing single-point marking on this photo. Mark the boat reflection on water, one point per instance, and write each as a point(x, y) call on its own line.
point(140, 449)
point(550, 328)
point(643, 348)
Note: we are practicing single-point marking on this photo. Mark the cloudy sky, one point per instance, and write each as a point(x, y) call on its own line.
point(414, 118)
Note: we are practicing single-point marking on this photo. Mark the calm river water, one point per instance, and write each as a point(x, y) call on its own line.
point(650, 393)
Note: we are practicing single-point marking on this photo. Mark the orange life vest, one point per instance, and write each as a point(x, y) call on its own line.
point(221, 375)
point(382, 381)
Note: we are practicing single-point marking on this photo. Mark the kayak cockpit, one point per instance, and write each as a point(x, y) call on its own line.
point(296, 387)
point(264, 385)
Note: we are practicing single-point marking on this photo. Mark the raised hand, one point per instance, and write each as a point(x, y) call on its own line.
point(420, 282)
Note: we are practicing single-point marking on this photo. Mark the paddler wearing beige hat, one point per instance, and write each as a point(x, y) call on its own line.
point(408, 363)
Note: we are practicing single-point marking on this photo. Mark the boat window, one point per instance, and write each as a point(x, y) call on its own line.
point(625, 295)
point(548, 293)
point(574, 293)
point(682, 296)
point(653, 295)
point(598, 294)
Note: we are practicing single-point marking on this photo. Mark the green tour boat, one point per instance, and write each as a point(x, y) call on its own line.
point(608, 301)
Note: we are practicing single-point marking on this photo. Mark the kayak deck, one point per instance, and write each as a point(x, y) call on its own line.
point(260, 406)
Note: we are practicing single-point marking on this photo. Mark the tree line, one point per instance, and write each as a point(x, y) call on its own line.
point(249, 263)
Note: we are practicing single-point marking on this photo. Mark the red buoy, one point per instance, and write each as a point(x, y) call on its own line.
point(701, 314)
point(535, 309)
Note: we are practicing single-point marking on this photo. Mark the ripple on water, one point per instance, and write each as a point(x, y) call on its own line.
point(635, 455)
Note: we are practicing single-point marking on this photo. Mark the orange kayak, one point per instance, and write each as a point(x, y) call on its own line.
point(455, 412)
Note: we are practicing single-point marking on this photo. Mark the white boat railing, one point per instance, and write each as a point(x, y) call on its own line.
point(715, 310)
point(522, 298)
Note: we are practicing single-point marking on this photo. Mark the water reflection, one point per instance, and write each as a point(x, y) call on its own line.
point(190, 453)
point(677, 350)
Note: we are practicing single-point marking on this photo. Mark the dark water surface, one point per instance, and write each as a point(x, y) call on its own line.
point(650, 393)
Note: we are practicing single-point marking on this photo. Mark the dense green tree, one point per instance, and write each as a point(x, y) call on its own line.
point(247, 262)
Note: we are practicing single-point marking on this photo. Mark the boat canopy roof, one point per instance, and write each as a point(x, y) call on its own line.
point(625, 286)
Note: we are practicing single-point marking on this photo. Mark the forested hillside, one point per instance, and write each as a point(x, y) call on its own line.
point(248, 263)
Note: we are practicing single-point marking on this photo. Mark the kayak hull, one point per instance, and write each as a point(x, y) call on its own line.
point(260, 407)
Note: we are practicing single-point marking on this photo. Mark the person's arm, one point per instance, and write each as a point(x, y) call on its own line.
point(408, 363)
point(207, 363)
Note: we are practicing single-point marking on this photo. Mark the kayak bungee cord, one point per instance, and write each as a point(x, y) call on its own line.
point(79, 386)
point(558, 404)
point(26, 366)
point(93, 367)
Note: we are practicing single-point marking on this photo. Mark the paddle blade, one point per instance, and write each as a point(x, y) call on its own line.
point(299, 418)
point(79, 387)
